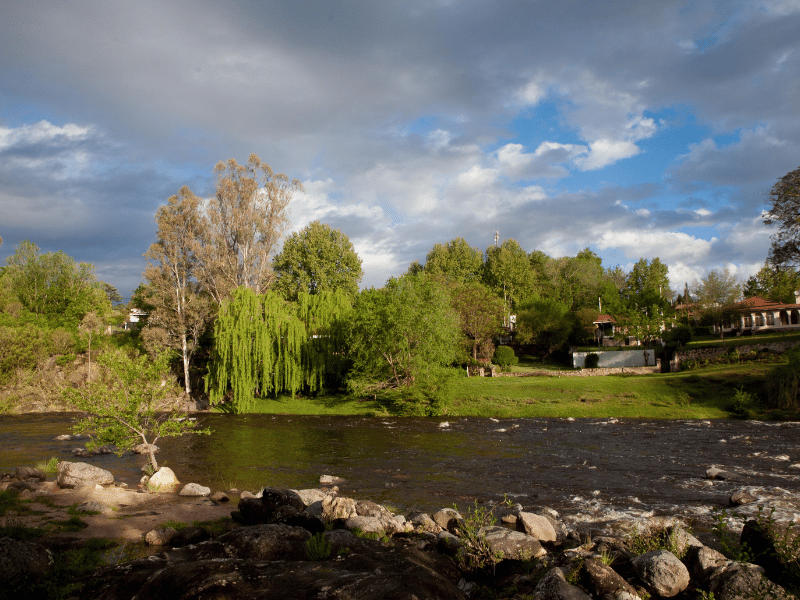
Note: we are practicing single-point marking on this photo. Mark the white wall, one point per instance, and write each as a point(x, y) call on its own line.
point(621, 358)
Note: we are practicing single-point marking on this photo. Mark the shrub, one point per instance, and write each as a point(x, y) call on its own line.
point(783, 384)
point(318, 547)
point(505, 357)
point(743, 403)
point(679, 335)
point(591, 361)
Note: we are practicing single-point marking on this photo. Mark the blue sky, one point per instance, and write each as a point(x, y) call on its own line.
point(638, 129)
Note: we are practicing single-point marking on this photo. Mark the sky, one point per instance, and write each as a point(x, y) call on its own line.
point(636, 128)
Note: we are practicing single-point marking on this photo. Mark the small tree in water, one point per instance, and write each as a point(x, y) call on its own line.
point(126, 405)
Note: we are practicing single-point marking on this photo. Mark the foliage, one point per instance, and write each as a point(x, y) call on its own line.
point(783, 384)
point(777, 284)
point(505, 357)
point(49, 467)
point(126, 406)
point(658, 538)
point(591, 361)
point(456, 261)
point(400, 333)
point(480, 313)
point(428, 397)
point(241, 227)
point(680, 335)
point(54, 284)
point(22, 348)
point(475, 553)
point(544, 321)
point(176, 306)
point(647, 277)
point(785, 212)
point(718, 292)
point(318, 547)
point(743, 403)
point(316, 259)
point(263, 346)
point(507, 271)
point(729, 542)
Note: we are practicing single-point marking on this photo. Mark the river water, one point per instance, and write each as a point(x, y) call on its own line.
point(582, 467)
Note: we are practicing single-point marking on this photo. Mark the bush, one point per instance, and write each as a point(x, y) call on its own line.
point(591, 361)
point(783, 384)
point(743, 404)
point(505, 357)
point(679, 335)
point(701, 330)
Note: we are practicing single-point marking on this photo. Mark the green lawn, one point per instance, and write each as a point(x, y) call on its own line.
point(700, 394)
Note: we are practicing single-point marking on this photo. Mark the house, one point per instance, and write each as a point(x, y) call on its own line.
point(756, 314)
point(135, 319)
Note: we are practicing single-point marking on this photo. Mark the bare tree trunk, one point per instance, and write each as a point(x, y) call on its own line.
point(153, 462)
point(185, 356)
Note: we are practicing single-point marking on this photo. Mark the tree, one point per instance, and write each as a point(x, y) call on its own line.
point(319, 258)
point(507, 271)
point(53, 284)
point(785, 212)
point(480, 313)
point(544, 321)
point(718, 292)
point(401, 333)
point(126, 406)
point(264, 345)
point(243, 223)
point(645, 277)
point(777, 284)
point(112, 294)
point(456, 261)
point(177, 305)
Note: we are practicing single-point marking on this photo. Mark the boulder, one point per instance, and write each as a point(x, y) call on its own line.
point(702, 561)
point(310, 496)
point(365, 524)
point(764, 538)
point(27, 473)
point(554, 586)
point(742, 581)
point(715, 473)
point(270, 561)
point(220, 497)
point(71, 475)
point(22, 562)
point(741, 497)
point(189, 535)
point(512, 544)
point(448, 518)
point(145, 449)
point(424, 522)
point(604, 581)
point(159, 537)
point(163, 480)
point(336, 507)
point(661, 572)
point(194, 489)
point(536, 526)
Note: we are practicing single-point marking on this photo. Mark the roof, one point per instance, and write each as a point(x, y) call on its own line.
point(759, 304)
point(604, 319)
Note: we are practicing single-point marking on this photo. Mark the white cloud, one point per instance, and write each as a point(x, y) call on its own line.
point(703, 212)
point(606, 152)
point(42, 132)
point(546, 161)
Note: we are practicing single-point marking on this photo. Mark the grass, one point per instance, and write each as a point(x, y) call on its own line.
point(701, 394)
point(712, 341)
point(314, 405)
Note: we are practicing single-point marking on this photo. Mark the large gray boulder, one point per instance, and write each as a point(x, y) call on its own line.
point(742, 581)
point(22, 562)
point(512, 544)
point(536, 526)
point(661, 572)
point(605, 582)
point(71, 475)
point(163, 480)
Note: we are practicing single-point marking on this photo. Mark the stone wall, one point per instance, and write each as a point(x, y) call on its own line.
point(589, 372)
point(709, 353)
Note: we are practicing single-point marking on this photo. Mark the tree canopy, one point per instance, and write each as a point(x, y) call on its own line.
point(785, 213)
point(456, 261)
point(773, 283)
point(318, 258)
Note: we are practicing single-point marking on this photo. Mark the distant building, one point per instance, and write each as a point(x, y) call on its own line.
point(135, 319)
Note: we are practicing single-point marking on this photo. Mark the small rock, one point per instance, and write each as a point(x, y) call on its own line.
point(741, 497)
point(93, 507)
point(145, 448)
point(715, 473)
point(537, 527)
point(220, 497)
point(512, 544)
point(25, 473)
point(163, 480)
point(331, 480)
point(194, 489)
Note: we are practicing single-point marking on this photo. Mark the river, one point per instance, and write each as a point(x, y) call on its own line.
point(589, 467)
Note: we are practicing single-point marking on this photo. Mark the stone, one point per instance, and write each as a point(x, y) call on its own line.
point(310, 496)
point(365, 524)
point(448, 518)
point(604, 581)
point(93, 507)
point(72, 474)
point(220, 497)
point(189, 535)
point(23, 486)
point(159, 537)
point(335, 507)
point(163, 480)
point(21, 561)
point(661, 572)
point(763, 540)
point(271, 561)
point(741, 581)
point(554, 586)
point(448, 543)
point(194, 489)
point(536, 526)
point(715, 473)
point(145, 449)
point(741, 497)
point(331, 480)
point(702, 561)
point(26, 473)
point(512, 544)
point(424, 522)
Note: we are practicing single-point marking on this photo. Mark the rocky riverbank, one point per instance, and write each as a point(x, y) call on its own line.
point(316, 543)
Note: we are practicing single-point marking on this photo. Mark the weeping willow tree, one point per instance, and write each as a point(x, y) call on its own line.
point(266, 346)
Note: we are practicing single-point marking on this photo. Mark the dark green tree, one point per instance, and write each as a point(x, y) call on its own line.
point(785, 213)
point(317, 259)
point(777, 284)
point(401, 333)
